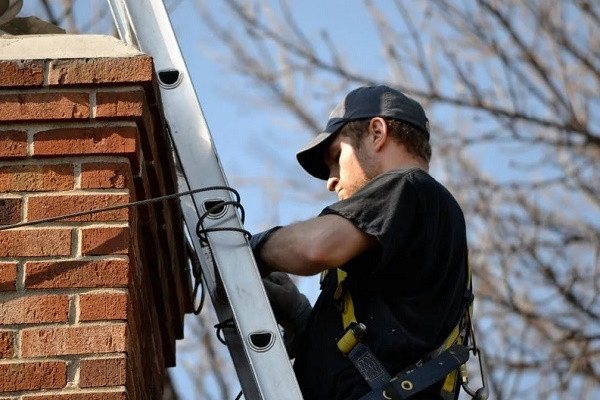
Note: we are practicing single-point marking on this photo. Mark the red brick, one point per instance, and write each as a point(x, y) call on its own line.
point(120, 104)
point(102, 306)
point(88, 339)
point(21, 73)
point(102, 372)
point(7, 344)
point(105, 175)
point(33, 375)
point(104, 241)
point(35, 242)
point(80, 396)
point(35, 309)
point(41, 207)
point(8, 276)
point(10, 211)
point(89, 141)
point(100, 70)
point(76, 274)
point(30, 178)
point(44, 106)
point(13, 144)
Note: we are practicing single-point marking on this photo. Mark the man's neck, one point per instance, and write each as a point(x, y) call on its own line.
point(402, 159)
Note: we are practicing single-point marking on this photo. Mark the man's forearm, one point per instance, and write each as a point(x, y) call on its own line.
point(309, 247)
point(286, 250)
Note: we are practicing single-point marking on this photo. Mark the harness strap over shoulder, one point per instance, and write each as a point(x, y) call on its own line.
point(342, 296)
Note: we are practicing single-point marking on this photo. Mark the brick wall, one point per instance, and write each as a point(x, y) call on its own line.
point(90, 307)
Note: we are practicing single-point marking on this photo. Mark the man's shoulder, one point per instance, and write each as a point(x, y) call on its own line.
point(424, 185)
point(400, 181)
point(411, 176)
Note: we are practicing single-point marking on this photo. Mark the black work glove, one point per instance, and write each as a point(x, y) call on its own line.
point(291, 308)
point(257, 242)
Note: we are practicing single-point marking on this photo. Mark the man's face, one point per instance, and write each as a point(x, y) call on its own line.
point(350, 166)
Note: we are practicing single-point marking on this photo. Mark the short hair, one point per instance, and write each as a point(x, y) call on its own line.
point(414, 139)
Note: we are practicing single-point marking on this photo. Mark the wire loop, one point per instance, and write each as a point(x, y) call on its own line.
point(226, 324)
point(201, 231)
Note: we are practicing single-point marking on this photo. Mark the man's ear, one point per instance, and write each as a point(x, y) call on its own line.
point(378, 133)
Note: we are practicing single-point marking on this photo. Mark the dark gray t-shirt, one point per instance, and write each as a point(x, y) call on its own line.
point(408, 291)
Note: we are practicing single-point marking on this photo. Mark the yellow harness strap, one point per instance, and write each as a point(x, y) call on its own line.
point(456, 337)
point(450, 381)
point(342, 295)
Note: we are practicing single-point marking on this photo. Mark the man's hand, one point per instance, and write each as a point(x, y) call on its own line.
point(287, 302)
point(291, 308)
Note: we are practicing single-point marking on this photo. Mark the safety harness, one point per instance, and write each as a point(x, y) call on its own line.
point(442, 364)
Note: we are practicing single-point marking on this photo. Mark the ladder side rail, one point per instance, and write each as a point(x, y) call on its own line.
point(123, 22)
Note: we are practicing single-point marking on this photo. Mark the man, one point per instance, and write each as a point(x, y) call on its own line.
point(397, 233)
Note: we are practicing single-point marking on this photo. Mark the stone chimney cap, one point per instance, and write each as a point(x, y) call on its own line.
point(43, 47)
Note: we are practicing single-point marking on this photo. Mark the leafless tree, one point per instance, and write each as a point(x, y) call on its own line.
point(512, 88)
point(72, 15)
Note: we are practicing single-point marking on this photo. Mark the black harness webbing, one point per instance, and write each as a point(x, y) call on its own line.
point(369, 366)
point(408, 383)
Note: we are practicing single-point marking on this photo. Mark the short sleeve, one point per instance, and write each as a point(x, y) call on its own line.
point(385, 208)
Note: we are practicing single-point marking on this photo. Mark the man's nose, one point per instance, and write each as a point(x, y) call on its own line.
point(332, 183)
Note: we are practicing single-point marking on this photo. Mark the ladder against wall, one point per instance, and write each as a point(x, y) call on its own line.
point(212, 217)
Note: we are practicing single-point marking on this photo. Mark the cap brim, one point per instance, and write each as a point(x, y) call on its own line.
point(312, 156)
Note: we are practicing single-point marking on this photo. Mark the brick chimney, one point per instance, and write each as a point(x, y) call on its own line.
point(90, 307)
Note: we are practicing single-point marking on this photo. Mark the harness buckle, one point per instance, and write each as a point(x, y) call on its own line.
point(351, 336)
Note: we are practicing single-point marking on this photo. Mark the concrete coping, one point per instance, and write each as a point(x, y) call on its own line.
point(43, 47)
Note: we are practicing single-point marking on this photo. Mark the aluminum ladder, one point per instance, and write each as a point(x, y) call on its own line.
point(253, 339)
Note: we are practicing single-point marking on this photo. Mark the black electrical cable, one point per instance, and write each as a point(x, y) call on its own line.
point(201, 231)
point(226, 324)
point(198, 279)
point(126, 205)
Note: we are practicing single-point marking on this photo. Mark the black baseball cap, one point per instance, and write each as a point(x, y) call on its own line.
point(362, 103)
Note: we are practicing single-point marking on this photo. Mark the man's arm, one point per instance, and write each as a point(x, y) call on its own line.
point(309, 247)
